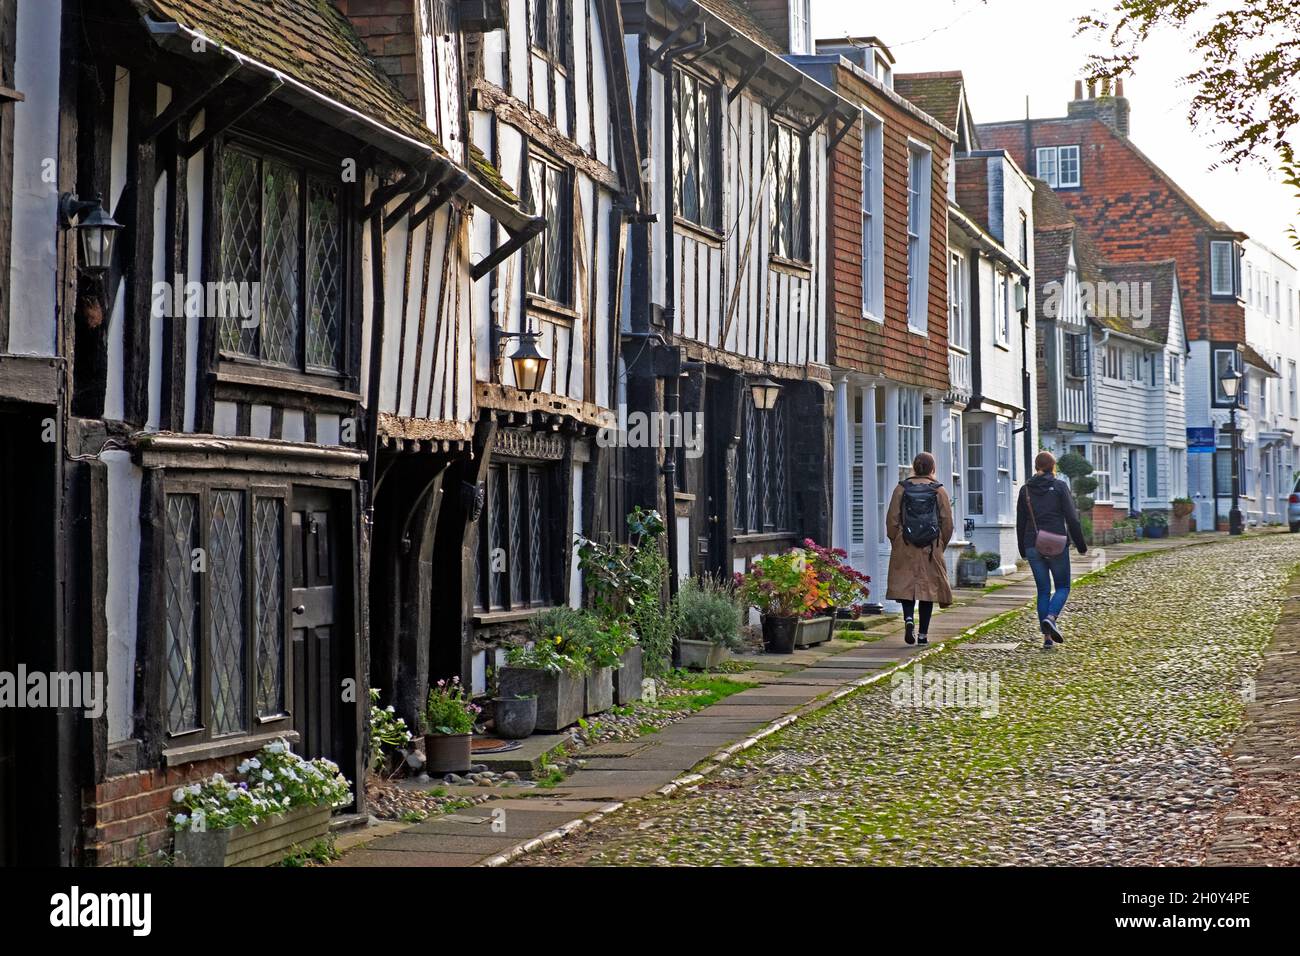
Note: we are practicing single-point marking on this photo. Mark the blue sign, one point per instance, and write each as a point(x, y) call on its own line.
point(1201, 440)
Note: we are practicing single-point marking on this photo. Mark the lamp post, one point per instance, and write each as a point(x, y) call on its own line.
point(1231, 384)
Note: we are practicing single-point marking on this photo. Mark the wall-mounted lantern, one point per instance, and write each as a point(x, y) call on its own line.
point(765, 392)
point(528, 361)
point(96, 230)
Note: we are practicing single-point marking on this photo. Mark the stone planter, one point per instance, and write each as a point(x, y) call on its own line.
point(560, 695)
point(514, 717)
point(813, 631)
point(972, 573)
point(599, 691)
point(265, 844)
point(779, 634)
point(702, 655)
point(628, 677)
point(447, 753)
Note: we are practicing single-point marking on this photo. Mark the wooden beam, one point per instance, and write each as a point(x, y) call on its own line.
point(180, 108)
point(212, 130)
point(752, 70)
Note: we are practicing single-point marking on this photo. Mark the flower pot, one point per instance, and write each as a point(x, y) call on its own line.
point(1157, 531)
point(779, 634)
point(598, 694)
point(628, 676)
point(263, 844)
point(447, 753)
point(560, 695)
point(702, 655)
point(1183, 508)
point(813, 631)
point(515, 717)
point(972, 573)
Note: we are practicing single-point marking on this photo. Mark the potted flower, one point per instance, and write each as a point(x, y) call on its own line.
point(449, 716)
point(278, 802)
point(782, 587)
point(1182, 507)
point(388, 732)
point(551, 668)
point(971, 569)
point(1156, 524)
point(708, 623)
point(846, 590)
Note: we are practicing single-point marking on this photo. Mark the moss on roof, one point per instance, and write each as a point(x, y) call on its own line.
point(490, 176)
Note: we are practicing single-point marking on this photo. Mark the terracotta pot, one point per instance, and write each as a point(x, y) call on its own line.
point(779, 634)
point(447, 753)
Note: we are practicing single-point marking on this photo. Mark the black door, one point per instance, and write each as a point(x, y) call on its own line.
point(717, 423)
point(321, 636)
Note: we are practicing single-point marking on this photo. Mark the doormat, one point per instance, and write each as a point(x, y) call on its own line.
point(493, 745)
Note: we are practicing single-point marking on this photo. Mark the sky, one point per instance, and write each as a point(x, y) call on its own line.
point(1010, 49)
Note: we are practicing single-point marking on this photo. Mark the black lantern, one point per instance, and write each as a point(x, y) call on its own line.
point(528, 361)
point(96, 230)
point(765, 392)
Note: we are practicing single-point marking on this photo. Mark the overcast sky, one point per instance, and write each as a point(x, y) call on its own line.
point(1010, 49)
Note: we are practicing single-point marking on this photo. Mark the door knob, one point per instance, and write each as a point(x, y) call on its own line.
point(300, 609)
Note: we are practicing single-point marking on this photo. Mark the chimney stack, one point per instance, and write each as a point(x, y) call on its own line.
point(387, 28)
point(1110, 108)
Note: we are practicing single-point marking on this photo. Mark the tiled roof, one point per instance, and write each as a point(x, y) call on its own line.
point(1254, 358)
point(733, 12)
point(1157, 277)
point(938, 94)
point(309, 40)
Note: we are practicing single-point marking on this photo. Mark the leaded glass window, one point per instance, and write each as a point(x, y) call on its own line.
point(515, 557)
point(548, 260)
point(764, 478)
point(699, 158)
point(788, 195)
point(281, 263)
point(182, 609)
point(225, 609)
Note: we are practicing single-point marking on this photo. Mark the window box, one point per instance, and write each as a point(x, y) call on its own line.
point(264, 844)
point(813, 631)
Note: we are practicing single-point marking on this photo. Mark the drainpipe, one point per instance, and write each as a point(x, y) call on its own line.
point(1027, 396)
point(672, 392)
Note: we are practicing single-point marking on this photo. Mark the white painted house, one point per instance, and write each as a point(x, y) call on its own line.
point(1270, 288)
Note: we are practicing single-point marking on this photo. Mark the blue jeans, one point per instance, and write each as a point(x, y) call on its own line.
point(1049, 571)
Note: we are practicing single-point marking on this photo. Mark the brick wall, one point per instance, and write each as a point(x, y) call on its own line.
point(889, 348)
point(1132, 210)
point(387, 27)
point(1103, 518)
point(125, 817)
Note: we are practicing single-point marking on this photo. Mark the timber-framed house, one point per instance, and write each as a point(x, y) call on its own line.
point(726, 328)
point(290, 282)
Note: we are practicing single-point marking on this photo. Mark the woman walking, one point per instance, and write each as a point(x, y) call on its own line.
point(1045, 515)
point(919, 526)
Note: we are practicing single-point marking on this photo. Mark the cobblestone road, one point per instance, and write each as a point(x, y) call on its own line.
point(1109, 750)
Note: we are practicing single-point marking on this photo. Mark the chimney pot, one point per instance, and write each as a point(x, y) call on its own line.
point(1078, 89)
point(1092, 88)
point(1119, 86)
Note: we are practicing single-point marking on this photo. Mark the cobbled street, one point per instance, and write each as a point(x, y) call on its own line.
point(1111, 749)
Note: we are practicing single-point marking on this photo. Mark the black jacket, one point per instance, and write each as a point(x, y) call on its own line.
point(1054, 509)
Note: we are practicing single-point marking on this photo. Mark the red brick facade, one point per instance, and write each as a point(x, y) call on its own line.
point(858, 343)
point(125, 817)
point(1134, 211)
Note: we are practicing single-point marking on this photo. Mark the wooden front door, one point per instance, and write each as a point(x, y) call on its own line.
point(321, 638)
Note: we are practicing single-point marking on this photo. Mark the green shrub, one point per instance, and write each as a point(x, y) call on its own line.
point(707, 610)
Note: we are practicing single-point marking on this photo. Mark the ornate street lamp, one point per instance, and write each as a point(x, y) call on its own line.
point(765, 392)
point(1231, 385)
point(96, 230)
point(528, 361)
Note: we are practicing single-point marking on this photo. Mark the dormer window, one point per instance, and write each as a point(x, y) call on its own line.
point(800, 27)
point(1058, 166)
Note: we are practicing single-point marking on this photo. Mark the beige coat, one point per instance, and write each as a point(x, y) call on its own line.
point(918, 574)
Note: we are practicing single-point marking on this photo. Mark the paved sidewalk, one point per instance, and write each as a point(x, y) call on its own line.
point(521, 819)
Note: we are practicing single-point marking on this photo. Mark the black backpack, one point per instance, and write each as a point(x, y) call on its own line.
point(920, 513)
